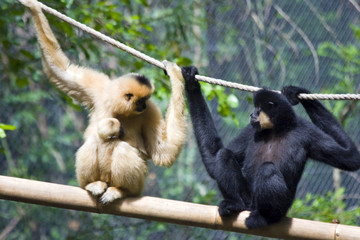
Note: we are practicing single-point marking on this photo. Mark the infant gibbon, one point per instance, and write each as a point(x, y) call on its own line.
point(126, 98)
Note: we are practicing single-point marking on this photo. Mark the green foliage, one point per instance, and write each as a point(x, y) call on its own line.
point(346, 69)
point(226, 102)
point(325, 208)
point(49, 124)
point(4, 127)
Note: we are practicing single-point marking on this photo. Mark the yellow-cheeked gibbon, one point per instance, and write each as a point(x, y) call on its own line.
point(115, 167)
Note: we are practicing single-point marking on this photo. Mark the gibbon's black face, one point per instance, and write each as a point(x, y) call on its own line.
point(137, 90)
point(272, 110)
point(141, 104)
point(138, 102)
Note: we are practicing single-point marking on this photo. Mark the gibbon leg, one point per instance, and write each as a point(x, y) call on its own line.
point(128, 170)
point(87, 166)
point(271, 197)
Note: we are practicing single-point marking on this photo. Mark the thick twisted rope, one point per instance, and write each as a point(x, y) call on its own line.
point(159, 64)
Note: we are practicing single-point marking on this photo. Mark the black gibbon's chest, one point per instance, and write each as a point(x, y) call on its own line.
point(269, 150)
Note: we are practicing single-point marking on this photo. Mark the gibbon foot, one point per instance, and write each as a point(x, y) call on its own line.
point(255, 220)
point(228, 207)
point(96, 188)
point(110, 195)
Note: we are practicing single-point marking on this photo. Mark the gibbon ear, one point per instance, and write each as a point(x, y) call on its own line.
point(129, 96)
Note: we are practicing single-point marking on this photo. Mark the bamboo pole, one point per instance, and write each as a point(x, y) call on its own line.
point(164, 210)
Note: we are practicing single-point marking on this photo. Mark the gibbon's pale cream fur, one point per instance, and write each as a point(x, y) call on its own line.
point(146, 134)
point(113, 163)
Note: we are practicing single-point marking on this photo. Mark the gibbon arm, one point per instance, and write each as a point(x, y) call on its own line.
point(329, 141)
point(78, 82)
point(165, 143)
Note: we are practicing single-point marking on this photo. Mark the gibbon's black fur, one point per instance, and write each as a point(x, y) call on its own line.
point(260, 169)
point(142, 80)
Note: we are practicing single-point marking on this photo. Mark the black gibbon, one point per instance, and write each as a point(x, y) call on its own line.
point(126, 99)
point(260, 169)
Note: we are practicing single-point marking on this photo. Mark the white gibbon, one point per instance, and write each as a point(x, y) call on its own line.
point(126, 99)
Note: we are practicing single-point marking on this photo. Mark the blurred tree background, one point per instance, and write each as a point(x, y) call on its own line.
point(314, 44)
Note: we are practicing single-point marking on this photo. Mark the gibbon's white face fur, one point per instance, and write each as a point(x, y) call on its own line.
point(125, 127)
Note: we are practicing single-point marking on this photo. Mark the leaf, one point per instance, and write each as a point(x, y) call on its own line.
point(27, 54)
point(22, 82)
point(148, 27)
point(232, 101)
point(160, 227)
point(324, 47)
point(7, 127)
point(207, 89)
point(356, 30)
point(224, 110)
point(127, 2)
point(183, 61)
point(143, 2)
point(2, 133)
point(135, 17)
point(109, 26)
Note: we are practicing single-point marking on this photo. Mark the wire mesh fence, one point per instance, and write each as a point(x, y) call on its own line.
point(313, 44)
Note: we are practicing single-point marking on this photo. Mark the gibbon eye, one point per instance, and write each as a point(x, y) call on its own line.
point(128, 96)
point(271, 104)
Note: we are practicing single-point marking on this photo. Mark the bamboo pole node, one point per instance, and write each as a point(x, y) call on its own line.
point(337, 232)
point(166, 210)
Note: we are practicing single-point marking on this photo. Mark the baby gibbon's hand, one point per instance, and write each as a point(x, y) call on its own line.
point(173, 71)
